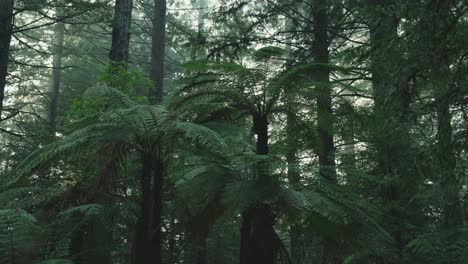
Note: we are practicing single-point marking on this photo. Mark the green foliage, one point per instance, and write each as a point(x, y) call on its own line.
point(270, 52)
point(208, 65)
point(19, 233)
point(129, 81)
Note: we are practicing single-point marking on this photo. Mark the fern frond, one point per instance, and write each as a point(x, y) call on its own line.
point(18, 233)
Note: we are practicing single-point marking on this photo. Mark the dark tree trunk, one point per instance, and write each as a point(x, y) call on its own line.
point(141, 251)
point(440, 24)
point(156, 239)
point(121, 31)
point(327, 167)
point(157, 50)
point(76, 244)
point(453, 215)
point(259, 242)
point(199, 243)
point(6, 26)
point(201, 226)
point(148, 234)
point(391, 110)
point(172, 240)
point(321, 76)
point(56, 74)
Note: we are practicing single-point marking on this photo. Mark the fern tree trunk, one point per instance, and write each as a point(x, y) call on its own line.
point(141, 251)
point(202, 224)
point(157, 50)
point(391, 110)
point(6, 27)
point(156, 230)
point(259, 243)
point(146, 248)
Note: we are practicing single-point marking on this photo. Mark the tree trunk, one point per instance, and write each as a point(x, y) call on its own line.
point(121, 32)
point(453, 215)
point(6, 27)
point(56, 74)
point(440, 24)
point(391, 109)
point(156, 239)
point(327, 167)
point(201, 226)
point(157, 51)
point(324, 108)
point(259, 242)
point(141, 251)
point(197, 41)
point(258, 238)
point(349, 149)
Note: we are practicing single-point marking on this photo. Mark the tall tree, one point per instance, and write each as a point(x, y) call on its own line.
point(442, 23)
point(59, 32)
point(6, 28)
point(120, 46)
point(158, 44)
point(320, 54)
point(391, 114)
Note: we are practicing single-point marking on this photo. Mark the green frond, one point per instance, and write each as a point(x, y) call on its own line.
point(85, 210)
point(238, 195)
point(84, 140)
point(269, 52)
point(207, 65)
point(200, 135)
point(112, 98)
point(9, 198)
point(18, 233)
point(294, 202)
point(320, 204)
point(303, 75)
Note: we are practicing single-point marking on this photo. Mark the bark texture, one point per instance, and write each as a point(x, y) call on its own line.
point(120, 46)
point(6, 27)
point(157, 50)
point(322, 77)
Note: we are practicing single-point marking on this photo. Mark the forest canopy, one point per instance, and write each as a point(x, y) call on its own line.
point(233, 131)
